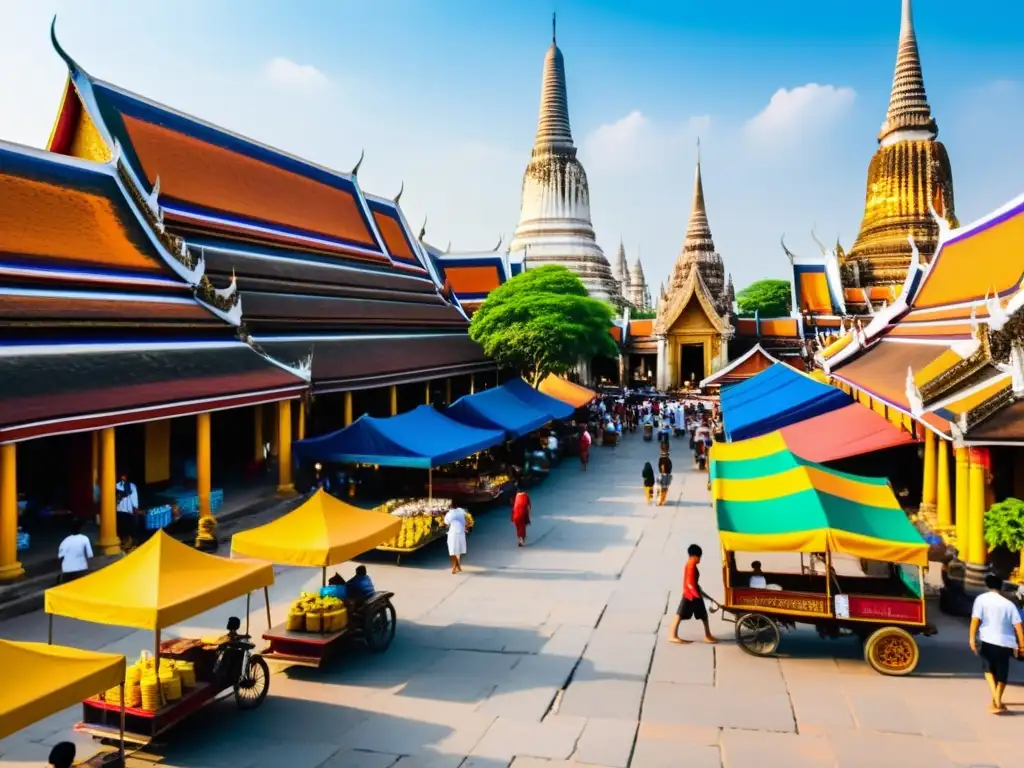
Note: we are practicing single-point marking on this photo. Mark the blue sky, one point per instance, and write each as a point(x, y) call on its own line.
point(787, 98)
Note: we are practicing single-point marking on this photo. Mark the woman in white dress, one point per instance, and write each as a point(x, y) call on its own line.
point(456, 522)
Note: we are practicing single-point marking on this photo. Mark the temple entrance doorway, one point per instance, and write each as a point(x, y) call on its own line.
point(691, 363)
point(642, 370)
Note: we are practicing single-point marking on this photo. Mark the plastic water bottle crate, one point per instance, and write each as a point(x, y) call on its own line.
point(23, 541)
point(158, 517)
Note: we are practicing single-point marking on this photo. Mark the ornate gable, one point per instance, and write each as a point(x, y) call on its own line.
point(693, 289)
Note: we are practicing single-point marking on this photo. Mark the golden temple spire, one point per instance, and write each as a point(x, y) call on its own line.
point(553, 124)
point(908, 102)
point(698, 231)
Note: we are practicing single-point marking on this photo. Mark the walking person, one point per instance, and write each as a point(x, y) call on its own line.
point(585, 442)
point(995, 636)
point(127, 496)
point(74, 553)
point(664, 477)
point(691, 606)
point(456, 522)
point(648, 475)
point(521, 508)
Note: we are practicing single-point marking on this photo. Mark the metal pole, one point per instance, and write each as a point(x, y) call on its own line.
point(156, 666)
point(323, 580)
point(49, 631)
point(266, 597)
point(121, 746)
point(430, 484)
point(248, 608)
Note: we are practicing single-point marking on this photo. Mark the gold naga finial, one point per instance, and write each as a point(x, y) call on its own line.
point(359, 162)
point(400, 191)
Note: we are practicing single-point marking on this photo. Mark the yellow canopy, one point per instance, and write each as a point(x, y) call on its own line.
point(158, 585)
point(40, 680)
point(566, 391)
point(323, 531)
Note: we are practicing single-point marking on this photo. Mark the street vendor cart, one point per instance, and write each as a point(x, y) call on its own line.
point(160, 584)
point(775, 502)
point(41, 680)
point(323, 532)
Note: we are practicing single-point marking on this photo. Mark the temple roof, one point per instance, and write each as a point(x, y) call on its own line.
point(751, 363)
point(398, 237)
point(693, 288)
point(908, 102)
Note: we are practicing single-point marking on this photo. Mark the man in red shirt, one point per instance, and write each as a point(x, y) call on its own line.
point(692, 604)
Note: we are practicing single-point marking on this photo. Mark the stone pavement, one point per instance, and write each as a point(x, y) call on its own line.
point(554, 655)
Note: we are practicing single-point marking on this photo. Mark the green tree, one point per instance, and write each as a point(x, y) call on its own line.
point(643, 314)
point(770, 298)
point(1004, 525)
point(542, 321)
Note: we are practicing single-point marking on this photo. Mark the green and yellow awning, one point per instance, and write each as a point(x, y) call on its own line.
point(768, 499)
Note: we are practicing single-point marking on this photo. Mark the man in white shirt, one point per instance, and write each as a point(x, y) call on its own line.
point(757, 579)
point(996, 636)
point(74, 553)
point(127, 496)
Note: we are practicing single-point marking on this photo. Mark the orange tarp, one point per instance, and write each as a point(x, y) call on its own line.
point(849, 431)
point(566, 391)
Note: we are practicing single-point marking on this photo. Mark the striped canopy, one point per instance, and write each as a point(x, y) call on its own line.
point(767, 499)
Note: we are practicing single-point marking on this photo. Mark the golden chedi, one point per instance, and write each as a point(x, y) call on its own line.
point(909, 174)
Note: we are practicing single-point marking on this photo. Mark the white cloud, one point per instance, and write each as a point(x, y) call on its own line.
point(286, 73)
point(796, 113)
point(636, 142)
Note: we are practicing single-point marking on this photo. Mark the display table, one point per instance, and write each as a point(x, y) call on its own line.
point(101, 719)
point(310, 649)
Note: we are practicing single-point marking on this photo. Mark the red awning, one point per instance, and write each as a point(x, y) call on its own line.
point(848, 431)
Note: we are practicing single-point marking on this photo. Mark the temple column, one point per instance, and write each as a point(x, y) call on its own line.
point(661, 378)
point(203, 482)
point(448, 391)
point(284, 447)
point(943, 505)
point(962, 517)
point(348, 408)
point(393, 394)
point(10, 568)
point(109, 543)
point(977, 481)
point(426, 393)
point(301, 428)
point(257, 448)
point(928, 485)
point(472, 383)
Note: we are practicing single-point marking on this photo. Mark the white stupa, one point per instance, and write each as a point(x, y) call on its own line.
point(554, 220)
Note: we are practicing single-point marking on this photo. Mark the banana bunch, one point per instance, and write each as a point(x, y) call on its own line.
point(311, 603)
point(414, 530)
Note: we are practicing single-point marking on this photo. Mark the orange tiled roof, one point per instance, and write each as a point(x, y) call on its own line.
point(616, 333)
point(644, 327)
point(472, 280)
point(813, 292)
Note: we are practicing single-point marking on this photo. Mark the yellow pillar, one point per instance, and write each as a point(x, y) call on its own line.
point(448, 391)
point(427, 393)
point(928, 487)
point(95, 459)
point(10, 568)
point(943, 505)
point(348, 408)
point(962, 514)
point(284, 447)
point(976, 549)
point(301, 429)
point(109, 543)
point(257, 447)
point(203, 463)
point(393, 389)
point(472, 383)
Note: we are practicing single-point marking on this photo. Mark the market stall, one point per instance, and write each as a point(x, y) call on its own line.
point(566, 391)
point(558, 409)
point(160, 584)
point(422, 523)
point(498, 408)
point(41, 680)
point(320, 533)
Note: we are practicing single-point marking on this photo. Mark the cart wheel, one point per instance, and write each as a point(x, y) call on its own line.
point(892, 651)
point(251, 690)
point(757, 634)
point(379, 627)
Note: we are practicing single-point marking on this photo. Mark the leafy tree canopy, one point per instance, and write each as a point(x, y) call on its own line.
point(1004, 525)
point(770, 298)
point(543, 321)
point(643, 314)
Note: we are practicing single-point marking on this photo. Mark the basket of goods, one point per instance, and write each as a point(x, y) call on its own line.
point(149, 688)
point(187, 672)
point(317, 614)
point(170, 682)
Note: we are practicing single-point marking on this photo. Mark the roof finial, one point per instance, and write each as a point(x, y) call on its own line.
point(698, 151)
point(908, 102)
point(553, 129)
point(359, 162)
point(71, 63)
point(400, 191)
point(554, 38)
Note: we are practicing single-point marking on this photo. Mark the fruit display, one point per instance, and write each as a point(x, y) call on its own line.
point(150, 688)
point(312, 613)
point(422, 522)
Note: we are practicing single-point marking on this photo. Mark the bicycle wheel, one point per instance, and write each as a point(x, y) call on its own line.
point(252, 687)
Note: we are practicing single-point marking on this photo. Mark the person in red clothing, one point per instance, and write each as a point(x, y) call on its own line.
point(584, 448)
point(692, 605)
point(521, 515)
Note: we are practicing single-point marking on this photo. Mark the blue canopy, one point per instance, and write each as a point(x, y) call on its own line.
point(776, 398)
point(552, 406)
point(497, 408)
point(421, 438)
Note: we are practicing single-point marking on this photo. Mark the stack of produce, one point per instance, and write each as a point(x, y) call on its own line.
point(497, 481)
point(422, 520)
point(312, 613)
point(170, 682)
point(187, 671)
point(149, 687)
point(207, 531)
